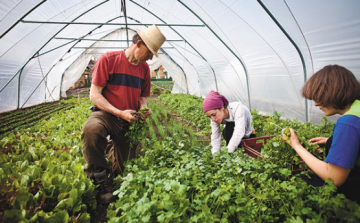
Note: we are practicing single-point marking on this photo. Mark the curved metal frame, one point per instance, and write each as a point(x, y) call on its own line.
point(189, 63)
point(237, 57)
point(187, 86)
point(19, 20)
point(37, 52)
point(180, 37)
point(110, 24)
point(68, 51)
point(296, 47)
point(107, 35)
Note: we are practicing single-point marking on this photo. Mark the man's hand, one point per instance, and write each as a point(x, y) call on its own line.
point(127, 115)
point(146, 115)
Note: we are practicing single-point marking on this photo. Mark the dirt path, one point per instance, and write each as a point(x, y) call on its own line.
point(176, 117)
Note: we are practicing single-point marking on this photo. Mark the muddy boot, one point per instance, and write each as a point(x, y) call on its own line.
point(105, 192)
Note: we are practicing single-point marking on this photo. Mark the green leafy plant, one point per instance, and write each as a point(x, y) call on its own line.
point(166, 92)
point(155, 90)
point(137, 130)
point(42, 178)
point(163, 84)
point(41, 172)
point(286, 132)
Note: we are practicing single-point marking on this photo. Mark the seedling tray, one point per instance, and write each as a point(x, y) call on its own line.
point(255, 143)
point(253, 146)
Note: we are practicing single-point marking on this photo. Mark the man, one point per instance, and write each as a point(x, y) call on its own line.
point(120, 85)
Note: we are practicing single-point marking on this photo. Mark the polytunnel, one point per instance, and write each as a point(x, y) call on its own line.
point(257, 52)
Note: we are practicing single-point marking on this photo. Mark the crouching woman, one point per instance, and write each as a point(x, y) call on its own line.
point(235, 116)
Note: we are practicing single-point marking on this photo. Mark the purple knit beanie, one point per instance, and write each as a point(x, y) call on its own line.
point(214, 100)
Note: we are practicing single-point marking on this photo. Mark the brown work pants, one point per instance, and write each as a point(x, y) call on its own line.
point(98, 126)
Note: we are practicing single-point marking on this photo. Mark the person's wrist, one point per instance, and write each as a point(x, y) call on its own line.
point(120, 114)
point(215, 150)
point(231, 149)
point(297, 147)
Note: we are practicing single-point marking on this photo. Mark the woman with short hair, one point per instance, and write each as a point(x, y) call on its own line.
point(335, 90)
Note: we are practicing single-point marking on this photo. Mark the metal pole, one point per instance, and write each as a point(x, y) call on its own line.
point(187, 87)
point(111, 47)
point(297, 49)
point(126, 23)
point(19, 20)
point(53, 49)
point(37, 86)
point(49, 41)
point(242, 63)
point(110, 24)
point(180, 36)
point(109, 40)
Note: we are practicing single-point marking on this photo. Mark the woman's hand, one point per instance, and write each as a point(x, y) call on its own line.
point(292, 140)
point(318, 140)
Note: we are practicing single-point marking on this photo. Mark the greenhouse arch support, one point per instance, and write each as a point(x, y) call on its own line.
point(242, 63)
point(216, 85)
point(297, 49)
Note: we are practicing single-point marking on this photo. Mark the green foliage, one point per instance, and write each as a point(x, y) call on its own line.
point(180, 181)
point(26, 118)
point(163, 84)
point(175, 180)
point(155, 90)
point(159, 90)
point(189, 107)
point(41, 171)
point(287, 134)
point(165, 92)
point(137, 130)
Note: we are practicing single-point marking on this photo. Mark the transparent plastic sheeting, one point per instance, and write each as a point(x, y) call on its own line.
point(241, 51)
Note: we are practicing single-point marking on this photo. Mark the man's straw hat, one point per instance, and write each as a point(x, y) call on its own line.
point(152, 37)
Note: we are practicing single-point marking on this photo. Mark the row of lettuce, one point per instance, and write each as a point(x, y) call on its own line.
point(41, 171)
point(175, 179)
point(168, 85)
point(28, 117)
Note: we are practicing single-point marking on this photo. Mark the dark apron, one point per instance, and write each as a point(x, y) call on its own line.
point(351, 186)
point(229, 130)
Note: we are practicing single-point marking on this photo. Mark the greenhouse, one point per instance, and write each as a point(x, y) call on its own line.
point(260, 54)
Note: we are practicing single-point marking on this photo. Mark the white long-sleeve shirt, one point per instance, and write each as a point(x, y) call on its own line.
point(239, 114)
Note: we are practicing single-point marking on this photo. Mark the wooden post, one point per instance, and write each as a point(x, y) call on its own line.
point(79, 99)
